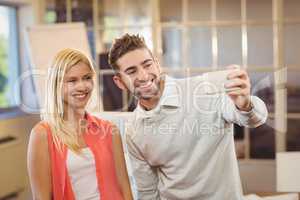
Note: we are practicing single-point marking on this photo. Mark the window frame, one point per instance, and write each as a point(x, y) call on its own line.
point(14, 111)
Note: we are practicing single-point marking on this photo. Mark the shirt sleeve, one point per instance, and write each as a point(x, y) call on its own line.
point(146, 178)
point(251, 119)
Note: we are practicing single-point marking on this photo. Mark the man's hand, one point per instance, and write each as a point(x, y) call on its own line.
point(239, 78)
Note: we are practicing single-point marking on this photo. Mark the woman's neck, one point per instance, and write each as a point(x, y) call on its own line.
point(75, 118)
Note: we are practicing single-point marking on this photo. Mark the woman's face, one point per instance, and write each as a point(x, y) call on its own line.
point(77, 86)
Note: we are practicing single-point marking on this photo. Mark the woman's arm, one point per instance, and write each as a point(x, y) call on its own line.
point(120, 164)
point(38, 164)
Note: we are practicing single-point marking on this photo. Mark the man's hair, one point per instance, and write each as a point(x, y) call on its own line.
point(124, 45)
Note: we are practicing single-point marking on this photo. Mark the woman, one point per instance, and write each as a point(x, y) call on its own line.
point(72, 154)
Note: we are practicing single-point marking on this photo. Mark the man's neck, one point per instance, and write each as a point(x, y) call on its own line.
point(149, 104)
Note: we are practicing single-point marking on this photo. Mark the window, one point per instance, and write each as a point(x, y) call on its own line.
point(105, 20)
point(9, 59)
point(198, 36)
point(292, 61)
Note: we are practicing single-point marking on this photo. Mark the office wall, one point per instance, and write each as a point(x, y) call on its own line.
point(13, 173)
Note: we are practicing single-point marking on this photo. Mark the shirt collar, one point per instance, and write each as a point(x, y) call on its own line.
point(91, 121)
point(170, 95)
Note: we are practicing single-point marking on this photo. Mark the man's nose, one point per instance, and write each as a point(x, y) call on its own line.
point(143, 75)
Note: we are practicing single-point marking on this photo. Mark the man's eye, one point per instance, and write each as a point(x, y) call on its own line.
point(130, 72)
point(148, 65)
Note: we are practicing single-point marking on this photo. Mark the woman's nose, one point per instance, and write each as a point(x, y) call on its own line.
point(82, 85)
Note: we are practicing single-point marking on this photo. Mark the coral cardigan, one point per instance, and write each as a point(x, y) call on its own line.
point(99, 139)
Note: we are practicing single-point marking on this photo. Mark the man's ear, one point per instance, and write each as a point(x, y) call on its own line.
point(118, 81)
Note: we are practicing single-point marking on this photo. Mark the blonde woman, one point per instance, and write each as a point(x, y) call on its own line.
point(72, 154)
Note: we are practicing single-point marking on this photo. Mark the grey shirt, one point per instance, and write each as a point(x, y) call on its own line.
point(184, 147)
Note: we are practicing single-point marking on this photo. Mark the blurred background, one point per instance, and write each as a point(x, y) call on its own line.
point(189, 37)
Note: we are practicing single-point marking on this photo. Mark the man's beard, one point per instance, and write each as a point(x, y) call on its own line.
point(155, 91)
point(139, 95)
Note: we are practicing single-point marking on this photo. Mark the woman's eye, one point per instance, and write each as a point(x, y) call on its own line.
point(71, 81)
point(88, 78)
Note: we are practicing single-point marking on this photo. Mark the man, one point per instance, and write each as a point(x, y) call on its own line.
point(181, 140)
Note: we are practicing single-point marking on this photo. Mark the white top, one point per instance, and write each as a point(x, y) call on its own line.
point(184, 148)
point(82, 172)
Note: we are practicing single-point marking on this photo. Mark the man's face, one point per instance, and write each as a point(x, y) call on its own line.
point(139, 73)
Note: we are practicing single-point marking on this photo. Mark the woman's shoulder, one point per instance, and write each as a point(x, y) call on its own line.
point(100, 121)
point(40, 130)
point(106, 124)
point(38, 137)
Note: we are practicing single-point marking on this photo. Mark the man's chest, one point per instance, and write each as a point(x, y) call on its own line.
point(171, 136)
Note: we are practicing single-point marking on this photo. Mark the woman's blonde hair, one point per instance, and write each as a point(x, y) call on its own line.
point(54, 105)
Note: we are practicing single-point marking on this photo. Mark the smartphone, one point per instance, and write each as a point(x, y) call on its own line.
point(215, 82)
